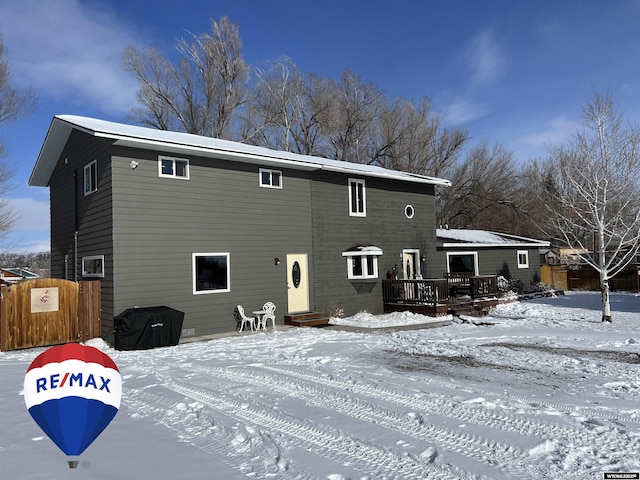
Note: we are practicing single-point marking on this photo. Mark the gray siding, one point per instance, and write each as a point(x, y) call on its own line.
point(503, 261)
point(160, 222)
point(90, 215)
point(384, 226)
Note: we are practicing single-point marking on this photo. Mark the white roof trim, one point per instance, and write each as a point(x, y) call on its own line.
point(184, 143)
point(362, 250)
point(484, 239)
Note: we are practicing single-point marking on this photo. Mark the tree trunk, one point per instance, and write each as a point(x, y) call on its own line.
point(606, 304)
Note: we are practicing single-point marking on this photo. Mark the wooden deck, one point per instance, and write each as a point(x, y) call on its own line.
point(455, 294)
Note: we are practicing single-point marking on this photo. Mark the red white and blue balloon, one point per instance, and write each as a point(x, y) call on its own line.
point(73, 391)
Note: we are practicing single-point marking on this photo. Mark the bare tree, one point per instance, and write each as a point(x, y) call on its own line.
point(351, 124)
point(483, 191)
point(202, 93)
point(591, 190)
point(14, 104)
point(411, 139)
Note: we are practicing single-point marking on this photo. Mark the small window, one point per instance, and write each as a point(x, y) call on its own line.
point(357, 198)
point(270, 178)
point(523, 259)
point(362, 262)
point(211, 273)
point(93, 266)
point(91, 178)
point(173, 167)
point(409, 211)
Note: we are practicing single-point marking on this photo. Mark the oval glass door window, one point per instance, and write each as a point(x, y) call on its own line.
point(295, 274)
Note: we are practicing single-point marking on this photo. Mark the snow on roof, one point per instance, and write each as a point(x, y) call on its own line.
point(483, 238)
point(185, 143)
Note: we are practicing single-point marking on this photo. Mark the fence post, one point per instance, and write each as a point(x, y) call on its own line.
point(4, 321)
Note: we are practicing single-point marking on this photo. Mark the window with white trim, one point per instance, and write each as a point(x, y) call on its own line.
point(93, 266)
point(270, 178)
point(523, 259)
point(91, 178)
point(462, 262)
point(362, 262)
point(357, 198)
point(173, 167)
point(211, 273)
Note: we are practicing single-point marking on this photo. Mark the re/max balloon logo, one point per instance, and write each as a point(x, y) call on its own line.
point(75, 379)
point(72, 391)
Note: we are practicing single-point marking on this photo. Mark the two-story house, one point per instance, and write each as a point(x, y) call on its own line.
point(201, 224)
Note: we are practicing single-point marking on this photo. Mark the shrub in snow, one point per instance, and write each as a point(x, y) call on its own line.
point(538, 287)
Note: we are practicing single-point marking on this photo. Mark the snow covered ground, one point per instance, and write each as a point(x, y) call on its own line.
point(539, 389)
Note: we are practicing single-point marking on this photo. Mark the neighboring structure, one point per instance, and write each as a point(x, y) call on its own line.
point(14, 275)
point(489, 253)
point(201, 225)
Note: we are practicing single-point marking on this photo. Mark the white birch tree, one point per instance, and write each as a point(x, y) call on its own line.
point(590, 186)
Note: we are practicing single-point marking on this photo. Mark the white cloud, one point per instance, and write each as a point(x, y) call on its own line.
point(69, 49)
point(31, 214)
point(463, 109)
point(558, 130)
point(485, 59)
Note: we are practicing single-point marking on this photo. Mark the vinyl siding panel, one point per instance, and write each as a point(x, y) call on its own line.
point(503, 261)
point(385, 226)
point(160, 222)
point(90, 214)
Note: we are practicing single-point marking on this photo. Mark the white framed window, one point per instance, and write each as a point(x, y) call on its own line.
point(462, 262)
point(93, 266)
point(211, 273)
point(270, 178)
point(91, 178)
point(362, 262)
point(523, 259)
point(173, 167)
point(357, 198)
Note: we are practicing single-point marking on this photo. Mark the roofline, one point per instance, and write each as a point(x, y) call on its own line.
point(62, 125)
point(495, 245)
point(522, 241)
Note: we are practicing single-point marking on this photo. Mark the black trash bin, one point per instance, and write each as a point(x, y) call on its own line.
point(148, 327)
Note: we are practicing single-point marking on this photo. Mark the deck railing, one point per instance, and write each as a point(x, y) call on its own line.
point(438, 291)
point(424, 292)
point(484, 286)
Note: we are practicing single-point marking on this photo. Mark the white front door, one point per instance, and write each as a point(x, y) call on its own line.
point(297, 283)
point(411, 264)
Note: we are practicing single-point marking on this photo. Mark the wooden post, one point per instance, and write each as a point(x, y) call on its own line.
point(4, 321)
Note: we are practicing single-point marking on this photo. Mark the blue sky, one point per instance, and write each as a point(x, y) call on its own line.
point(510, 71)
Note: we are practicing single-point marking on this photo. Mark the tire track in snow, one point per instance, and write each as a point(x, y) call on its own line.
point(504, 457)
point(206, 433)
point(617, 441)
point(324, 440)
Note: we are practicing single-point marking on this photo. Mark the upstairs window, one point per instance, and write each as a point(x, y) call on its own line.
point(523, 259)
point(173, 167)
point(270, 178)
point(362, 262)
point(357, 198)
point(91, 178)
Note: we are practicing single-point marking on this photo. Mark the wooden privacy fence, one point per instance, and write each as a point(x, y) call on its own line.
point(562, 277)
point(48, 311)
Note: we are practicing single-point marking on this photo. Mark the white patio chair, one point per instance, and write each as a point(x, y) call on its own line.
point(270, 308)
point(242, 319)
